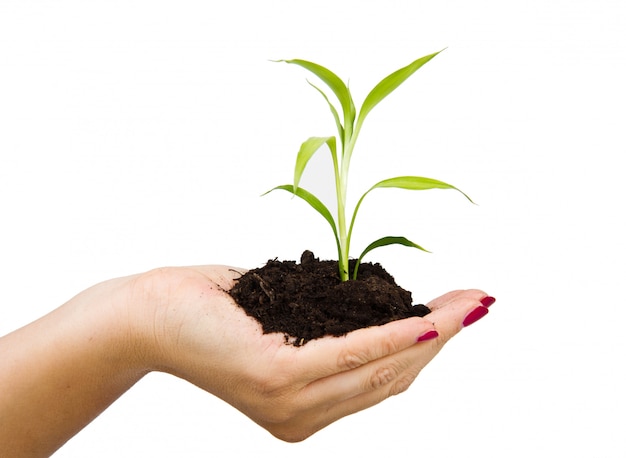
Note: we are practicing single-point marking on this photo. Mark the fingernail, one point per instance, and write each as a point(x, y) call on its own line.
point(428, 335)
point(475, 315)
point(488, 301)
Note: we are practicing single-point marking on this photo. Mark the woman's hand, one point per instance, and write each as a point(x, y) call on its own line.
point(59, 372)
point(201, 335)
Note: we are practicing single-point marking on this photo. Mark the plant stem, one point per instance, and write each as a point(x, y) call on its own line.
point(340, 192)
point(341, 185)
point(342, 188)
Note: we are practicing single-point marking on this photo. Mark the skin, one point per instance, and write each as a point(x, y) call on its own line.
point(60, 372)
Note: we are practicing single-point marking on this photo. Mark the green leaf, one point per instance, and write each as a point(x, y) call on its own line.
point(404, 182)
point(388, 85)
point(336, 85)
point(416, 184)
point(307, 150)
point(313, 202)
point(332, 110)
point(384, 241)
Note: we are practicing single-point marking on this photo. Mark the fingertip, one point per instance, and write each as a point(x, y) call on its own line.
point(477, 313)
point(428, 335)
point(454, 295)
point(392, 337)
point(488, 301)
point(474, 315)
point(410, 331)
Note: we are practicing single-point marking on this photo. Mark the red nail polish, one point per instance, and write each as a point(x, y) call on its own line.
point(428, 335)
point(475, 315)
point(488, 301)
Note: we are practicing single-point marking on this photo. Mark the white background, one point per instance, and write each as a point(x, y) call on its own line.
point(137, 134)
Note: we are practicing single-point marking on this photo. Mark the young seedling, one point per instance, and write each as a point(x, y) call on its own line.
point(348, 132)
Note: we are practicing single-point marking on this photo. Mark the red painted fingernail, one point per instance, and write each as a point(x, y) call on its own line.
point(475, 315)
point(488, 301)
point(428, 335)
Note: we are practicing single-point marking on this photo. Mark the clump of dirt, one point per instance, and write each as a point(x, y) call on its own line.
point(308, 300)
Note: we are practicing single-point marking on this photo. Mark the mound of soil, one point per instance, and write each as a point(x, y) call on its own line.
point(308, 300)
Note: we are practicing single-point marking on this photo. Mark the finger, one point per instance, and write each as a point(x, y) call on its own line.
point(377, 381)
point(348, 392)
point(446, 298)
point(384, 375)
point(459, 311)
point(331, 355)
point(393, 373)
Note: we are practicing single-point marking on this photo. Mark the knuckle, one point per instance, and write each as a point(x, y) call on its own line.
point(350, 359)
point(388, 345)
point(396, 377)
point(402, 384)
point(353, 356)
point(382, 376)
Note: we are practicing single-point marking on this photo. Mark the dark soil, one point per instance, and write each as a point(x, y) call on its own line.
point(308, 300)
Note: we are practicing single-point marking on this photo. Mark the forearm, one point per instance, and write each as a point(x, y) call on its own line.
point(60, 372)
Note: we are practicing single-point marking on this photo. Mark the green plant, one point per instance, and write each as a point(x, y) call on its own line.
point(348, 132)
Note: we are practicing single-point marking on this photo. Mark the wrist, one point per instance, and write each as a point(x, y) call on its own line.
point(141, 301)
point(156, 317)
point(109, 313)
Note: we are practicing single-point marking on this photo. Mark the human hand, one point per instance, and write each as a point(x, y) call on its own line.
point(198, 333)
